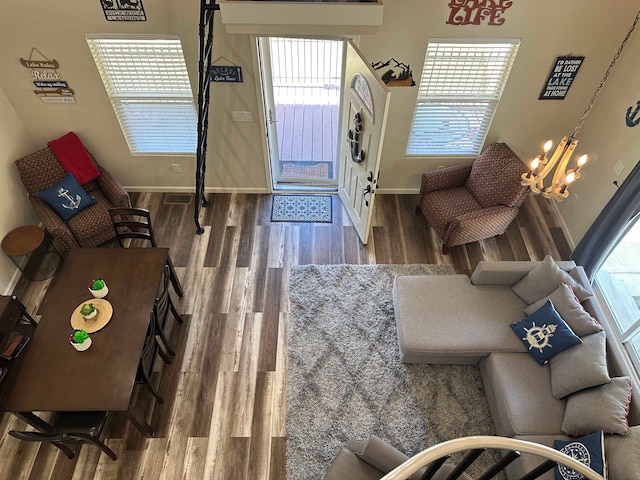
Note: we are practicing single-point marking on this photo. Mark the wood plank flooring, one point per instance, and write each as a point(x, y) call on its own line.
point(224, 413)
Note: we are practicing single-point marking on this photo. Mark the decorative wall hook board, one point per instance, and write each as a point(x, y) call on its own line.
point(225, 73)
point(354, 137)
point(633, 115)
point(44, 72)
point(474, 12)
point(561, 77)
point(396, 74)
point(123, 10)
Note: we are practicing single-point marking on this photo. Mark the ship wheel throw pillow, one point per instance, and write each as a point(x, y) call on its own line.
point(545, 334)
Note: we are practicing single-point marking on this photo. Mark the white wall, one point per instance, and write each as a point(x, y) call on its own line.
point(548, 28)
point(14, 143)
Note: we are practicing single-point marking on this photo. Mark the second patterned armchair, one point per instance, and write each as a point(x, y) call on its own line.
point(466, 203)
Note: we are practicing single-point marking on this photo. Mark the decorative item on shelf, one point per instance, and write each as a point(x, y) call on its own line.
point(80, 340)
point(98, 288)
point(541, 166)
point(397, 74)
point(88, 311)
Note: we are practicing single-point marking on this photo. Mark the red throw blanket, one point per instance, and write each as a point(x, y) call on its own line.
point(74, 157)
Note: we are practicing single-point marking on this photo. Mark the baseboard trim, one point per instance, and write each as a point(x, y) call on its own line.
point(164, 189)
point(563, 226)
point(398, 191)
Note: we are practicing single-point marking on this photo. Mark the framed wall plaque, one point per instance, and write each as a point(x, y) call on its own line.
point(561, 77)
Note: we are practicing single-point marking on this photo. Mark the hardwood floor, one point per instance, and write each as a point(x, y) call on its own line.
point(224, 410)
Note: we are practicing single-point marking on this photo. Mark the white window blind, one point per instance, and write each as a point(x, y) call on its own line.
point(147, 82)
point(461, 84)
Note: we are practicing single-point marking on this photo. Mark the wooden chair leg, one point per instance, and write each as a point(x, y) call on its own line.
point(445, 249)
point(418, 210)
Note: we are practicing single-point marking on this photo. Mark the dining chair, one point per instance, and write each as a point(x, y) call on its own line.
point(72, 428)
point(135, 223)
point(150, 350)
point(161, 307)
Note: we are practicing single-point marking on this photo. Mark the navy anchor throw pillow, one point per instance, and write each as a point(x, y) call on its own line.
point(545, 334)
point(66, 197)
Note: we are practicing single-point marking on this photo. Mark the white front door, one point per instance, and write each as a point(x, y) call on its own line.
point(365, 101)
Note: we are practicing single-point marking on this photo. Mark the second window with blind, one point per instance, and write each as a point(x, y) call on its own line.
point(460, 88)
point(147, 82)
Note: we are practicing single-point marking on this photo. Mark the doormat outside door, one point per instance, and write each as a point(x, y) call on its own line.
point(302, 208)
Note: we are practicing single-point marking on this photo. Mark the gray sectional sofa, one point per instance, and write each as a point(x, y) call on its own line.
point(454, 319)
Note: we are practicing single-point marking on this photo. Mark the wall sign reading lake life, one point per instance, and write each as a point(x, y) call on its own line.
point(224, 73)
point(561, 77)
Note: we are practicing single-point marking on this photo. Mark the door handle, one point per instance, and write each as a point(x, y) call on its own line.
point(367, 191)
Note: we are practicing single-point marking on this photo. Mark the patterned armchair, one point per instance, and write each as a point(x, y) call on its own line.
point(466, 203)
point(92, 225)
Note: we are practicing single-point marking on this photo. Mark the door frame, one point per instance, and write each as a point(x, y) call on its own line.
point(263, 115)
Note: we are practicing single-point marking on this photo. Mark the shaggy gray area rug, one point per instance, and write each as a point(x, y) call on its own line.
point(345, 379)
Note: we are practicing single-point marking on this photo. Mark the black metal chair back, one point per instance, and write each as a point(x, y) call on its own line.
point(134, 223)
point(72, 428)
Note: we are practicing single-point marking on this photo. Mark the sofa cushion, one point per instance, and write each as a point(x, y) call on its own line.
point(445, 319)
point(580, 367)
point(545, 334)
point(599, 408)
point(622, 454)
point(544, 279)
point(67, 197)
point(588, 450)
point(567, 305)
point(519, 394)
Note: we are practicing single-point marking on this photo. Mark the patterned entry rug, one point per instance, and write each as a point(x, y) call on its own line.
point(345, 379)
point(302, 208)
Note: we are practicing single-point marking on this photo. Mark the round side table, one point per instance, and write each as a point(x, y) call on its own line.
point(33, 252)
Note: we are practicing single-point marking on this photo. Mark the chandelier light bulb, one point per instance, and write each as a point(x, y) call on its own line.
point(582, 160)
point(571, 176)
point(547, 146)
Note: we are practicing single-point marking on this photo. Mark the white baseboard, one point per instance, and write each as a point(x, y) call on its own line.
point(398, 191)
point(13, 282)
point(563, 225)
point(163, 189)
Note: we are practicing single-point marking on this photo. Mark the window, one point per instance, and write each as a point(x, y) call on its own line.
point(619, 281)
point(461, 84)
point(148, 85)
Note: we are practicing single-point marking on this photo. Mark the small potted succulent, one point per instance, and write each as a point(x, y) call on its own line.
point(80, 340)
point(98, 288)
point(88, 311)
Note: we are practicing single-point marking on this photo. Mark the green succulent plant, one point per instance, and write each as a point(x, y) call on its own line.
point(79, 336)
point(97, 284)
point(87, 309)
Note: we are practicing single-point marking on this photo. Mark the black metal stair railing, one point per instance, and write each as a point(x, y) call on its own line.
point(207, 10)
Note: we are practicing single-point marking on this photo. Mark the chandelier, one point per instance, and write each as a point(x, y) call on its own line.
point(542, 166)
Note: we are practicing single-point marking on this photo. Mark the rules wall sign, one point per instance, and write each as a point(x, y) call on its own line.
point(561, 77)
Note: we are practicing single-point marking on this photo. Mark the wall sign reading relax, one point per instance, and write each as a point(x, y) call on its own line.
point(45, 76)
point(561, 77)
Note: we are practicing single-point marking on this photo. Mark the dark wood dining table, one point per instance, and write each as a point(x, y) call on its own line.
point(53, 376)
